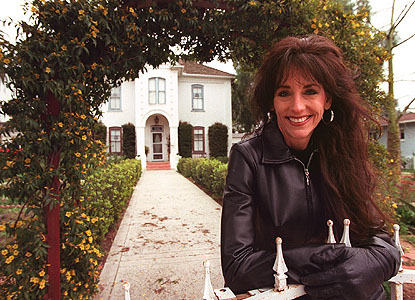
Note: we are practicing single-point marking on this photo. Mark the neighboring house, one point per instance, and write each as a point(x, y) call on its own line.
point(160, 98)
point(407, 128)
point(5, 95)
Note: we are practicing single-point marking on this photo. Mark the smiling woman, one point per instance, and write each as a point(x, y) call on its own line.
point(299, 105)
point(300, 169)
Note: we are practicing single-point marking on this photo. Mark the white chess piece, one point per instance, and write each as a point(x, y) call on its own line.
point(208, 293)
point(280, 268)
point(345, 237)
point(396, 228)
point(330, 239)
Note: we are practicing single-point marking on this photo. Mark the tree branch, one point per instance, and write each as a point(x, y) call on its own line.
point(399, 20)
point(405, 109)
point(400, 43)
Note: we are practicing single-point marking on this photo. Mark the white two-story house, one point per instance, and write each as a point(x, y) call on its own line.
point(161, 98)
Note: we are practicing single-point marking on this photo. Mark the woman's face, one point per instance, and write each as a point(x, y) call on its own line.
point(299, 104)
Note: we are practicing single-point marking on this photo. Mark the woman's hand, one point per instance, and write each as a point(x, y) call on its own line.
point(349, 273)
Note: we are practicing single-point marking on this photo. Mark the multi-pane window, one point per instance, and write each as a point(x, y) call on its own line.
point(115, 99)
point(198, 139)
point(115, 140)
point(197, 97)
point(157, 90)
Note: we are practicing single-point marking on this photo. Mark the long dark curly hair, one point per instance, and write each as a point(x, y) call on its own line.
point(342, 144)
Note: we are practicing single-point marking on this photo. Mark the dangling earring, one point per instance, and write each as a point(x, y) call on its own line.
point(331, 117)
point(269, 116)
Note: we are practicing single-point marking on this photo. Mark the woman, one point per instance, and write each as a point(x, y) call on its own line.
point(306, 163)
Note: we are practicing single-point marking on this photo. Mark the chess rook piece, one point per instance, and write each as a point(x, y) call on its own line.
point(330, 238)
point(345, 237)
point(280, 268)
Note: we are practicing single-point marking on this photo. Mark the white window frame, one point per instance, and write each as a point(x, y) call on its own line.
point(198, 103)
point(115, 97)
point(158, 92)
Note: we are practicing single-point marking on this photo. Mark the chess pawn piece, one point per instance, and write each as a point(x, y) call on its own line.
point(345, 237)
point(330, 238)
point(396, 228)
point(208, 293)
point(280, 268)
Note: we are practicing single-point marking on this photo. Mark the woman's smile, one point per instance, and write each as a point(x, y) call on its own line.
point(299, 104)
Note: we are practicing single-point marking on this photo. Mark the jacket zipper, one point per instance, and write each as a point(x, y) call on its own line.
point(308, 191)
point(306, 168)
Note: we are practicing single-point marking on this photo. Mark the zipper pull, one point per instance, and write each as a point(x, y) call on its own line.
point(307, 176)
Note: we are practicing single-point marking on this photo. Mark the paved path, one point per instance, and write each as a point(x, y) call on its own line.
point(168, 230)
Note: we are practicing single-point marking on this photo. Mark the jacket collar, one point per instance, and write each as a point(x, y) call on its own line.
point(275, 150)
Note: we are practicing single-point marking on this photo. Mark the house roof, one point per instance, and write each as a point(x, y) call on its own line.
point(191, 67)
point(406, 118)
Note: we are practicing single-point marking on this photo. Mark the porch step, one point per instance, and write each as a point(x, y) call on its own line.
point(158, 165)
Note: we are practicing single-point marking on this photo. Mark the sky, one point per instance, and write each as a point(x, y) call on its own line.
point(404, 60)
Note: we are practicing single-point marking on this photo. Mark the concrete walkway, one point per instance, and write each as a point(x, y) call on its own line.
point(168, 230)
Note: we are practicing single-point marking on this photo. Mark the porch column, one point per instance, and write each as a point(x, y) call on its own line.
point(174, 147)
point(140, 133)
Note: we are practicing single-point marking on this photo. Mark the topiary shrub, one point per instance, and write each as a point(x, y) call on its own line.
point(185, 139)
point(100, 132)
point(129, 140)
point(218, 140)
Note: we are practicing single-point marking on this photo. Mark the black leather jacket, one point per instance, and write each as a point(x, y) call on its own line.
point(269, 193)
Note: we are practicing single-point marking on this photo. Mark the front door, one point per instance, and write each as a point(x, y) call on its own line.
point(157, 146)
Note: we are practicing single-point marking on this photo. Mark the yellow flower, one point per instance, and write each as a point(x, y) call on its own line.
point(64, 48)
point(42, 284)
point(47, 70)
point(34, 279)
point(77, 154)
point(2, 227)
point(83, 117)
point(183, 10)
point(16, 252)
point(15, 246)
point(9, 259)
point(68, 214)
point(81, 12)
point(84, 137)
point(88, 232)
point(28, 254)
point(27, 160)
point(19, 271)
point(90, 239)
point(42, 273)
point(394, 205)
point(60, 124)
point(4, 252)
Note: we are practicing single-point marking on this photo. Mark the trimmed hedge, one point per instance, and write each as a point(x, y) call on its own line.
point(218, 140)
point(185, 132)
point(128, 140)
point(108, 191)
point(209, 173)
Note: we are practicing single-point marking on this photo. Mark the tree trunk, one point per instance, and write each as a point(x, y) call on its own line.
point(393, 137)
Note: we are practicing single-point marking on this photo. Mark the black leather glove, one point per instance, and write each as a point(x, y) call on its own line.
point(299, 263)
point(350, 273)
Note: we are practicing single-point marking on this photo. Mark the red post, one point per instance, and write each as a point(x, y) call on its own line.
point(52, 216)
